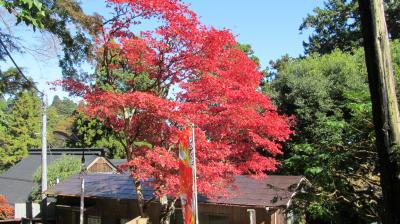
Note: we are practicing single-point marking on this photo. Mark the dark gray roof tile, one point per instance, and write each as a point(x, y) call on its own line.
point(270, 191)
point(17, 182)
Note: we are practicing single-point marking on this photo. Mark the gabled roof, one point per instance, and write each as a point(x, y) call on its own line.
point(17, 182)
point(118, 162)
point(272, 191)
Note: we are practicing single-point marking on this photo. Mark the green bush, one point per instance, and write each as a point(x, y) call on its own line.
point(62, 168)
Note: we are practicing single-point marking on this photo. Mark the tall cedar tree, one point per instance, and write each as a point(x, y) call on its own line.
point(337, 25)
point(238, 130)
point(21, 130)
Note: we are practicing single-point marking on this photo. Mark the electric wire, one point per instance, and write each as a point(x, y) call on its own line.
point(32, 84)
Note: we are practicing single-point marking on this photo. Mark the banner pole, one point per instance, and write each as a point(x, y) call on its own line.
point(194, 177)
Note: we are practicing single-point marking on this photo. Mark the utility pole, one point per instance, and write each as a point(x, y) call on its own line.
point(44, 145)
point(82, 199)
point(44, 156)
point(384, 104)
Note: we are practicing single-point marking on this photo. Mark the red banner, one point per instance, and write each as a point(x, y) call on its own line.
point(186, 173)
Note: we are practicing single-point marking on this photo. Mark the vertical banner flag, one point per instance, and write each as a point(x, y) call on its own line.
point(187, 175)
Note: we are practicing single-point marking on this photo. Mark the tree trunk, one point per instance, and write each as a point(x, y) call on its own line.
point(384, 104)
point(138, 185)
point(167, 210)
point(140, 197)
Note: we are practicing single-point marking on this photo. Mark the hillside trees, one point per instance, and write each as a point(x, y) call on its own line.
point(60, 118)
point(238, 130)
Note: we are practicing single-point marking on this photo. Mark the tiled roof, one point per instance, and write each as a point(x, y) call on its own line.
point(17, 182)
point(272, 191)
point(100, 185)
point(117, 162)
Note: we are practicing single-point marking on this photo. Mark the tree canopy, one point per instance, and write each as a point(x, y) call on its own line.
point(60, 169)
point(337, 25)
point(21, 125)
point(333, 143)
point(238, 130)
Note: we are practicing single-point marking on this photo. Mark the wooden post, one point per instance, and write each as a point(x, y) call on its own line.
point(384, 104)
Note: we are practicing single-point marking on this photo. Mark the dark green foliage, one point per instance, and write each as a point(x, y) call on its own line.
point(337, 26)
point(60, 118)
point(392, 10)
point(62, 168)
point(21, 126)
point(77, 43)
point(64, 107)
point(246, 48)
point(11, 82)
point(31, 12)
point(12, 46)
point(88, 132)
point(333, 145)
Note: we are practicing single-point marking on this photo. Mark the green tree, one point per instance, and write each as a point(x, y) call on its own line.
point(337, 25)
point(89, 132)
point(60, 115)
point(248, 50)
point(62, 168)
point(22, 130)
point(65, 107)
point(4, 122)
point(333, 145)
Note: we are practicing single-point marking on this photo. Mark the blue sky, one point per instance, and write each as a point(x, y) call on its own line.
point(269, 26)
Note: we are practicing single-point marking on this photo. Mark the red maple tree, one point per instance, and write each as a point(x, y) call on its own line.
point(238, 130)
point(6, 212)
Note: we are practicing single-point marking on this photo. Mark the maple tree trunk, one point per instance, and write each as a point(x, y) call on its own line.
point(384, 104)
point(167, 210)
point(140, 198)
point(138, 185)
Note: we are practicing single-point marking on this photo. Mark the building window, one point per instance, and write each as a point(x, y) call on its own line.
point(94, 220)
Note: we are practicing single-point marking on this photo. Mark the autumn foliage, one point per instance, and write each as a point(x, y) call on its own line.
point(6, 212)
point(150, 84)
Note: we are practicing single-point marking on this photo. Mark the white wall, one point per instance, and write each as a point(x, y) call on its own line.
point(20, 210)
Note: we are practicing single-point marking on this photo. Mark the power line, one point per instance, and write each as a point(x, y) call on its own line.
point(32, 84)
